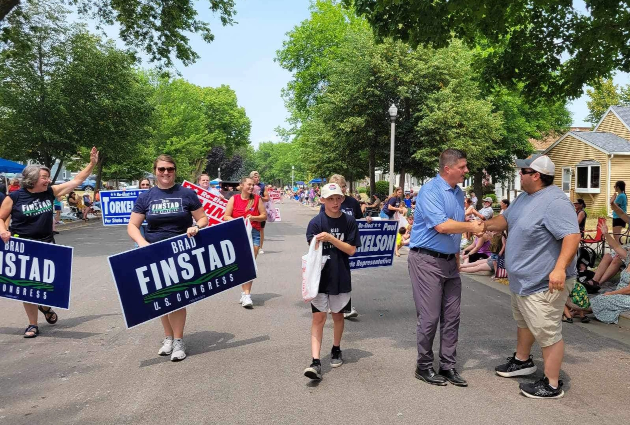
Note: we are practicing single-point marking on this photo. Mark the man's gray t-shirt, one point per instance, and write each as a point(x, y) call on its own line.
point(537, 223)
point(487, 212)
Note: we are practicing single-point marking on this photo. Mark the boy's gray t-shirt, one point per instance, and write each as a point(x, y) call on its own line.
point(537, 224)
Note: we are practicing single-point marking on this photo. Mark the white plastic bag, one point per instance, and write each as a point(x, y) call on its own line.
point(402, 221)
point(248, 226)
point(312, 264)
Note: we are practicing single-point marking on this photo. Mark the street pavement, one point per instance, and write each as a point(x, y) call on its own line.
point(245, 366)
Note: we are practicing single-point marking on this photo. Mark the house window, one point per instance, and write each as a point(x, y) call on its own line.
point(566, 179)
point(587, 177)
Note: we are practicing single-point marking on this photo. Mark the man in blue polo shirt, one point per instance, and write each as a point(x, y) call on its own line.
point(434, 266)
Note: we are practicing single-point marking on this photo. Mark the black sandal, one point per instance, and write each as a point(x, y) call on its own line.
point(567, 319)
point(48, 314)
point(31, 328)
point(586, 319)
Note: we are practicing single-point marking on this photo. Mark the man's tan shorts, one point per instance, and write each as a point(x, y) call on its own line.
point(541, 313)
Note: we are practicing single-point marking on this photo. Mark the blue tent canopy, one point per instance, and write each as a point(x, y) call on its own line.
point(317, 180)
point(7, 166)
point(299, 183)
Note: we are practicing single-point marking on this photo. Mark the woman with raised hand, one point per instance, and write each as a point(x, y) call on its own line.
point(247, 205)
point(169, 219)
point(31, 211)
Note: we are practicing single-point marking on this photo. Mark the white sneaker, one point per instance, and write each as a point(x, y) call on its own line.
point(240, 301)
point(247, 301)
point(167, 346)
point(179, 350)
point(353, 313)
point(260, 251)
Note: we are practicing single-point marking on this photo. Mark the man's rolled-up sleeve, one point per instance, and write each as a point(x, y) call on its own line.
point(431, 207)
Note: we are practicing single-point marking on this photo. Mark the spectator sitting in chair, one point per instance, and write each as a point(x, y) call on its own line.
point(87, 206)
point(581, 214)
point(487, 212)
point(73, 203)
point(478, 250)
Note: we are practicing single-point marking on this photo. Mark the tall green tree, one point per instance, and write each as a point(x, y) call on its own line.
point(553, 48)
point(159, 28)
point(190, 120)
point(602, 96)
point(34, 120)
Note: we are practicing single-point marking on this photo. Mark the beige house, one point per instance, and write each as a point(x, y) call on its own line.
point(588, 163)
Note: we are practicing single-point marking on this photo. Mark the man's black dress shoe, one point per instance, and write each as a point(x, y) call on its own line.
point(430, 377)
point(453, 377)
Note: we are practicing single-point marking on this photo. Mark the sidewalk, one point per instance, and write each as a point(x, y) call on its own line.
point(624, 319)
point(77, 224)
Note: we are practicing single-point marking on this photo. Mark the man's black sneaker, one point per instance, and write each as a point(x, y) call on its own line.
point(336, 359)
point(542, 389)
point(314, 371)
point(516, 367)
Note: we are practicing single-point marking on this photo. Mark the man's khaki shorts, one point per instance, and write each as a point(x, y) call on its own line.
point(541, 313)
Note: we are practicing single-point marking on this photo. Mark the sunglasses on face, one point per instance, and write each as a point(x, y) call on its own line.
point(525, 171)
point(144, 185)
point(166, 169)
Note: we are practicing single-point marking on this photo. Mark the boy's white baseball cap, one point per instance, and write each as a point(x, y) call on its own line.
point(331, 189)
point(541, 163)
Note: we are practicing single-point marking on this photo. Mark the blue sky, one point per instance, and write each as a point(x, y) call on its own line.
point(242, 56)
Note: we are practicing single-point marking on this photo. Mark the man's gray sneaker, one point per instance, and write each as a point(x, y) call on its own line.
point(167, 346)
point(179, 350)
point(336, 359)
point(314, 371)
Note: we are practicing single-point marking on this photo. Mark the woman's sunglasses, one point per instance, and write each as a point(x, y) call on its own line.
point(166, 169)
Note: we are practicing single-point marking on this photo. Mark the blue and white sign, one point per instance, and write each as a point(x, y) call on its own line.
point(378, 243)
point(172, 274)
point(117, 205)
point(35, 272)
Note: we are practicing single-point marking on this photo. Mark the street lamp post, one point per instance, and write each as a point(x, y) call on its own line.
point(393, 112)
point(292, 172)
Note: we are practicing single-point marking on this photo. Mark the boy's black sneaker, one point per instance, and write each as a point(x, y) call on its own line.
point(542, 389)
point(516, 367)
point(314, 371)
point(336, 359)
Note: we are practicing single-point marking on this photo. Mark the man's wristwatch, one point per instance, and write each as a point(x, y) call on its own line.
point(197, 226)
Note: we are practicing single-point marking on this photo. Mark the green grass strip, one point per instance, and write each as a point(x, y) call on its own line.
point(27, 283)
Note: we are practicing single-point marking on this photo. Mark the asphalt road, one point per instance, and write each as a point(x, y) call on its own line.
point(245, 366)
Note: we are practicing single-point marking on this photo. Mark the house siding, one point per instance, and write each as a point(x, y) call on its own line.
point(612, 124)
point(568, 153)
point(620, 170)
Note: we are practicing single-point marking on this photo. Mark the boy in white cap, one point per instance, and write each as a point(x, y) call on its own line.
point(340, 235)
point(540, 259)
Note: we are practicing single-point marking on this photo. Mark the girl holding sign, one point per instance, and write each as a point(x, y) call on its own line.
point(31, 211)
point(165, 219)
point(247, 205)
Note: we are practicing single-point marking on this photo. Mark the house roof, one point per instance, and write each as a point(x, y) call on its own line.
point(608, 142)
point(623, 112)
point(541, 145)
point(603, 141)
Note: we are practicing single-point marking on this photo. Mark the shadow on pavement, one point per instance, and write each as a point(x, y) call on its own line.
point(45, 333)
point(206, 342)
point(76, 321)
point(350, 355)
point(261, 299)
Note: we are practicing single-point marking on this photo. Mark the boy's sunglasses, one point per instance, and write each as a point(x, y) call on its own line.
point(167, 169)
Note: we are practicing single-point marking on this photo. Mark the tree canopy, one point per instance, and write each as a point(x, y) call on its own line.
point(553, 48)
point(159, 28)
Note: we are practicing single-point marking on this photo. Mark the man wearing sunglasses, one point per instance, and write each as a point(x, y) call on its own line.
point(540, 258)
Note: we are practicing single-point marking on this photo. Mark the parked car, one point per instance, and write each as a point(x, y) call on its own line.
point(88, 184)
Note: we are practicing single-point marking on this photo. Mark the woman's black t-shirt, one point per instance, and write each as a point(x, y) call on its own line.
point(32, 214)
point(335, 277)
point(394, 201)
point(168, 211)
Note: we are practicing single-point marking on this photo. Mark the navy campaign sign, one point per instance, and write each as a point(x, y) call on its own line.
point(174, 273)
point(35, 272)
point(117, 205)
point(378, 242)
